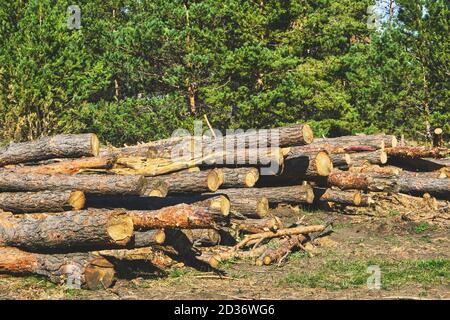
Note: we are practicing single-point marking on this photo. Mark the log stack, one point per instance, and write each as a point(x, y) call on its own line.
point(71, 210)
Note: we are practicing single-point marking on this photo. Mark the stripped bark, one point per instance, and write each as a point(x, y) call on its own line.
point(74, 269)
point(60, 146)
point(44, 201)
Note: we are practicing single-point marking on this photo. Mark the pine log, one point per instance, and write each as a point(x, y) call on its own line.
point(387, 170)
point(203, 237)
point(417, 152)
point(290, 194)
point(439, 188)
point(254, 207)
point(156, 188)
point(72, 166)
point(68, 231)
point(190, 181)
point(285, 246)
point(60, 146)
point(239, 177)
point(213, 201)
point(377, 157)
point(147, 238)
point(351, 198)
point(96, 184)
point(73, 269)
point(44, 201)
point(378, 141)
point(258, 225)
point(340, 160)
point(438, 138)
point(124, 258)
point(214, 260)
point(181, 216)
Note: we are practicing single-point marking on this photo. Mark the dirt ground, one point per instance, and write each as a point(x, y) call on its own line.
point(413, 257)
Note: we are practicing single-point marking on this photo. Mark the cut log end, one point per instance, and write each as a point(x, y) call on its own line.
point(221, 175)
point(308, 135)
point(160, 236)
point(267, 260)
point(357, 198)
point(309, 195)
point(213, 180)
point(77, 200)
point(99, 274)
point(383, 157)
point(120, 229)
point(221, 203)
point(262, 207)
point(438, 131)
point(394, 142)
point(251, 177)
point(95, 145)
point(323, 163)
point(214, 262)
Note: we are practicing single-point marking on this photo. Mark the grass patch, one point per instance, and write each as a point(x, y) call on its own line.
point(338, 274)
point(176, 273)
point(226, 264)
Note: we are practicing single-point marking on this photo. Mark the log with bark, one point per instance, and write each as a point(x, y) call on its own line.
point(60, 146)
point(377, 141)
point(181, 216)
point(254, 207)
point(213, 201)
point(44, 201)
point(203, 237)
point(257, 225)
point(239, 177)
point(156, 188)
point(417, 152)
point(70, 231)
point(76, 270)
point(438, 138)
point(96, 183)
point(190, 181)
point(285, 246)
point(386, 170)
point(72, 166)
point(359, 159)
point(439, 188)
point(351, 198)
point(289, 194)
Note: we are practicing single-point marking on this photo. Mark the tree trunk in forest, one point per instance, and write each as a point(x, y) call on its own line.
point(67, 166)
point(239, 177)
point(68, 231)
point(44, 201)
point(76, 270)
point(60, 146)
point(180, 216)
point(288, 194)
point(96, 184)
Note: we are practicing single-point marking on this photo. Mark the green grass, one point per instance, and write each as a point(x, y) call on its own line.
point(338, 274)
point(176, 273)
point(423, 227)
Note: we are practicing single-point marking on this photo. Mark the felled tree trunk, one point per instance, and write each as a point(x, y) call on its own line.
point(255, 207)
point(378, 141)
point(60, 146)
point(68, 231)
point(377, 157)
point(181, 216)
point(97, 184)
point(258, 225)
point(44, 201)
point(191, 181)
point(351, 198)
point(67, 166)
point(387, 170)
point(213, 201)
point(439, 188)
point(299, 167)
point(203, 237)
point(417, 152)
point(289, 194)
point(239, 177)
point(156, 188)
point(285, 246)
point(76, 270)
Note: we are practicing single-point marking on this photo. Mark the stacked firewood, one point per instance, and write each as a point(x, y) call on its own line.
point(73, 211)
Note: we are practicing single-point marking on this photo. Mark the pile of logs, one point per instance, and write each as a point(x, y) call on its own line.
point(71, 209)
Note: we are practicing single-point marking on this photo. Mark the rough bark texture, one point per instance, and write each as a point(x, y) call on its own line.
point(439, 188)
point(213, 201)
point(181, 216)
point(191, 181)
point(69, 231)
point(147, 238)
point(376, 141)
point(97, 184)
point(239, 177)
point(377, 157)
point(285, 246)
point(156, 188)
point(203, 237)
point(67, 166)
point(73, 269)
point(417, 152)
point(289, 194)
point(254, 207)
point(123, 259)
point(60, 146)
point(387, 170)
point(45, 201)
point(352, 198)
point(258, 225)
